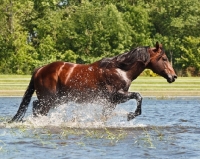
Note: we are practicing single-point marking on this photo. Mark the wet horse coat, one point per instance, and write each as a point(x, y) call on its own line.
point(108, 79)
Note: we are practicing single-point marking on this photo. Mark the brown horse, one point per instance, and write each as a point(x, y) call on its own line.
point(108, 79)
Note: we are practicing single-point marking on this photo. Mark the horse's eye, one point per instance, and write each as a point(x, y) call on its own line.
point(164, 59)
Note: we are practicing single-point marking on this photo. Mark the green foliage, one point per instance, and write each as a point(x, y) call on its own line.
point(34, 33)
point(149, 73)
point(93, 33)
point(139, 21)
point(47, 51)
point(190, 53)
point(69, 55)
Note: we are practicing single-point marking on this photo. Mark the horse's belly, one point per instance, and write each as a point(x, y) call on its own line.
point(83, 95)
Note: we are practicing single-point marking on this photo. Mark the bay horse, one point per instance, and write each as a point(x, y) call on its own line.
point(108, 79)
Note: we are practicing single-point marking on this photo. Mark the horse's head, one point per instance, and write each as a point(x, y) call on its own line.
point(160, 64)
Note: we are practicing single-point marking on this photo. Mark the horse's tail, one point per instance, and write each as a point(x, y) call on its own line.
point(25, 100)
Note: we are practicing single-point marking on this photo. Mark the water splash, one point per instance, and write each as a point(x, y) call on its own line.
point(83, 116)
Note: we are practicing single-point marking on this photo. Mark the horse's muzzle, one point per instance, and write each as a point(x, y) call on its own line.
point(171, 78)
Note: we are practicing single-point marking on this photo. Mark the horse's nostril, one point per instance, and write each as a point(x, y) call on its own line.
point(175, 76)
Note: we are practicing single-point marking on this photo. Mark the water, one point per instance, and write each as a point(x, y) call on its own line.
point(167, 128)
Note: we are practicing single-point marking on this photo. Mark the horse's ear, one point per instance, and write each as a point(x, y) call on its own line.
point(157, 45)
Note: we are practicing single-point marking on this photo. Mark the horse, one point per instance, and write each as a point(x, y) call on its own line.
point(108, 79)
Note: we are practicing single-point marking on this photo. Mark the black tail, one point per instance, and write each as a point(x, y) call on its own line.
point(25, 101)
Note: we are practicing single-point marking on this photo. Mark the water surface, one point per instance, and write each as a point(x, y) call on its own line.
point(167, 128)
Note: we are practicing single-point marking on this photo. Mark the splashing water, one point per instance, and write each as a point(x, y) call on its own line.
point(82, 116)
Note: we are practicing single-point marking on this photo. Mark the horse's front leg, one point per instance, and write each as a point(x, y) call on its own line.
point(138, 111)
point(122, 97)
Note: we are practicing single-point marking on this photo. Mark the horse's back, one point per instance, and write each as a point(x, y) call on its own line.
point(80, 76)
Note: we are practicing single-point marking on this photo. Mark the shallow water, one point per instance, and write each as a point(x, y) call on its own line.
point(167, 128)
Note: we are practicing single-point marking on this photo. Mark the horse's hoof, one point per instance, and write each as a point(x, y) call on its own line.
point(22, 121)
point(130, 116)
point(10, 121)
point(17, 121)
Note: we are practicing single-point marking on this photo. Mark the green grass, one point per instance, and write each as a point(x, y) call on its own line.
point(158, 86)
point(15, 85)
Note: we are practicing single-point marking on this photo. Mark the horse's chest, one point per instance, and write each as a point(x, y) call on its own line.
point(117, 79)
point(123, 76)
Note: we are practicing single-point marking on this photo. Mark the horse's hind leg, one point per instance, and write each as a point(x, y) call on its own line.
point(36, 108)
point(40, 108)
point(45, 109)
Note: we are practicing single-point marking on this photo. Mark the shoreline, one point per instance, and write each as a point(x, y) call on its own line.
point(15, 86)
point(143, 95)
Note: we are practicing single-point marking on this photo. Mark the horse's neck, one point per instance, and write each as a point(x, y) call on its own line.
point(133, 62)
point(136, 69)
point(137, 58)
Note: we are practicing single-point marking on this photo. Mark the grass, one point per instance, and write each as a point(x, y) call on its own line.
point(54, 137)
point(158, 86)
point(15, 85)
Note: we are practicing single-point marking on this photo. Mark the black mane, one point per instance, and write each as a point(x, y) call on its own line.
point(128, 58)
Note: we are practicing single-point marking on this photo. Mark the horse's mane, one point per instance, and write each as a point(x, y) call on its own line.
point(128, 58)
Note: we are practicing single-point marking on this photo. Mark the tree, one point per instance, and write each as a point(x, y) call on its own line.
point(16, 55)
point(138, 18)
point(93, 32)
point(173, 21)
point(34, 32)
point(190, 53)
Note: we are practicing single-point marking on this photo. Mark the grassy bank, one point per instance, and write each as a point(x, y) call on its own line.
point(15, 85)
point(158, 86)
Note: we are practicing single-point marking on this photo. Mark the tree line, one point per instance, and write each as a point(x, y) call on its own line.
point(37, 32)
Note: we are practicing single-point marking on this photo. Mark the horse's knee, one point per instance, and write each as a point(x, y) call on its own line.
point(137, 96)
